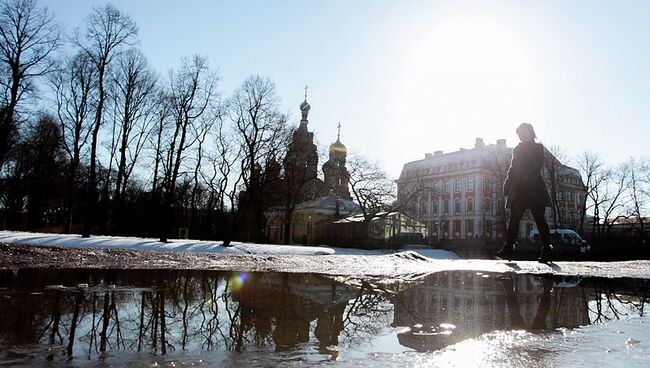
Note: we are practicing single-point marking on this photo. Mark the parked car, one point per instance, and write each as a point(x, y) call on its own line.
point(565, 241)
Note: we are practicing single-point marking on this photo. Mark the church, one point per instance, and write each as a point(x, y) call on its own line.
point(313, 204)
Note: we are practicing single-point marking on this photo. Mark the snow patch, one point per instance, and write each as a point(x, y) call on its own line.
point(188, 245)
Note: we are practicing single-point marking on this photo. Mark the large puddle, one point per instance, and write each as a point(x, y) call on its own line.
point(193, 318)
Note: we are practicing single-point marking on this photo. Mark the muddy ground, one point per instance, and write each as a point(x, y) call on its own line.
point(404, 266)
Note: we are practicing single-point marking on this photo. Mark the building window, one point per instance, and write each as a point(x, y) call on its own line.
point(445, 186)
point(470, 205)
point(579, 198)
point(457, 185)
point(445, 206)
point(569, 197)
point(469, 228)
point(456, 229)
point(487, 184)
point(423, 207)
point(457, 206)
point(559, 196)
point(434, 209)
point(470, 184)
point(487, 230)
point(487, 206)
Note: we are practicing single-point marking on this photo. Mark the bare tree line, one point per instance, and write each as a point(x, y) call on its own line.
point(133, 151)
point(618, 197)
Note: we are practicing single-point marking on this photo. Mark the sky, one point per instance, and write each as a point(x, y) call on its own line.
point(409, 77)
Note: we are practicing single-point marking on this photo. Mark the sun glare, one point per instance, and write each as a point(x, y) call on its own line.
point(466, 78)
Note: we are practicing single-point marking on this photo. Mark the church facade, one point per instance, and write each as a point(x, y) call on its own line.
point(312, 203)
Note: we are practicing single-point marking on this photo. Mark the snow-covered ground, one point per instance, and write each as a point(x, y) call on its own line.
point(188, 245)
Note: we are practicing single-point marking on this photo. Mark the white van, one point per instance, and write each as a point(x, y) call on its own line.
point(566, 238)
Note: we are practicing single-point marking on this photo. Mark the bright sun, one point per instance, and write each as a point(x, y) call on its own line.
point(467, 78)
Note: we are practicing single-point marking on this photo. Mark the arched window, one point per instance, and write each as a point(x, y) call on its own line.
point(457, 206)
point(424, 206)
point(487, 206)
point(470, 205)
point(445, 206)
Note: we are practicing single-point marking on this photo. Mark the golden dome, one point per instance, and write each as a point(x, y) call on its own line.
point(338, 147)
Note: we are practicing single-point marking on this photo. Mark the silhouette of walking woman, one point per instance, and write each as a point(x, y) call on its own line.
point(524, 188)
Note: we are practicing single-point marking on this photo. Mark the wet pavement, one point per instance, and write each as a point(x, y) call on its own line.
point(121, 317)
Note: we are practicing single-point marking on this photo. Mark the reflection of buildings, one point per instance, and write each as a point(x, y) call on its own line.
point(282, 307)
point(463, 203)
point(476, 304)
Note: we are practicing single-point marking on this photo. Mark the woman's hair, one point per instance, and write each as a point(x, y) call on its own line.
point(528, 127)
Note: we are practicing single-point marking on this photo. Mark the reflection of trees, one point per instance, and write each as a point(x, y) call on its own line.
point(163, 311)
point(363, 317)
point(615, 299)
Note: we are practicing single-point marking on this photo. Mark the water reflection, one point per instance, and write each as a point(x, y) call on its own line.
point(452, 306)
point(65, 314)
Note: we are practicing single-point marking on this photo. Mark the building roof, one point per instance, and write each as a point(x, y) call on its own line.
point(440, 162)
point(476, 157)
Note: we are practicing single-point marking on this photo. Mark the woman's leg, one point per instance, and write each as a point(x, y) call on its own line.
point(544, 233)
point(511, 234)
point(516, 213)
point(542, 225)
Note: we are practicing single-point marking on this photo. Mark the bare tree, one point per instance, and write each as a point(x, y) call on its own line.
point(108, 31)
point(261, 131)
point(28, 37)
point(73, 88)
point(162, 112)
point(595, 177)
point(197, 195)
point(637, 190)
point(614, 200)
point(220, 178)
point(134, 87)
point(191, 94)
point(372, 189)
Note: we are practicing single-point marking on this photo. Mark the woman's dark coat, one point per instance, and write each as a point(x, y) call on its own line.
point(524, 186)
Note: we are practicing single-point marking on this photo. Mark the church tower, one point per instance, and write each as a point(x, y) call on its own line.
point(336, 174)
point(301, 160)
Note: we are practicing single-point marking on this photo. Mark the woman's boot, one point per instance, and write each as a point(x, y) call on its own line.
point(546, 255)
point(506, 251)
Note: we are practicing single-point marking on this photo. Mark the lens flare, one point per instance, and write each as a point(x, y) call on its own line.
point(238, 280)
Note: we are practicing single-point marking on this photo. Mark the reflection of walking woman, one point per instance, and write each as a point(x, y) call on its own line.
point(525, 189)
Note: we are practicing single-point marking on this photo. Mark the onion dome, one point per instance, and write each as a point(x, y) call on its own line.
point(304, 106)
point(338, 147)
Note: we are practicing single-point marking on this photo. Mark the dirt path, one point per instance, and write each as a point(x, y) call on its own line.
point(403, 266)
